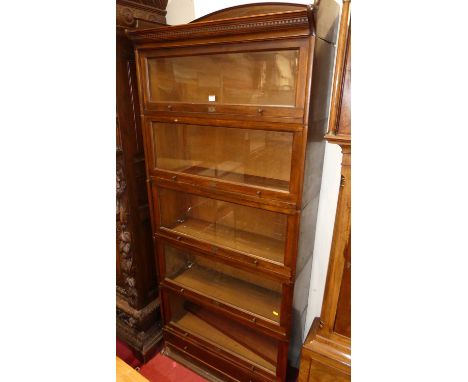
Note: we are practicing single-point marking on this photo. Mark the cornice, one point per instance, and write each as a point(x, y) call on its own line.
point(129, 12)
point(250, 24)
point(342, 140)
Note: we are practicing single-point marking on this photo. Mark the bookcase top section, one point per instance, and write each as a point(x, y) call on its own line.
point(297, 22)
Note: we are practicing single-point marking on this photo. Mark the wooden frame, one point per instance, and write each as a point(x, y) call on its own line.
point(240, 29)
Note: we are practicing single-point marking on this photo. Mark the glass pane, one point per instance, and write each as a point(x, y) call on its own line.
point(243, 228)
point(244, 290)
point(226, 334)
point(255, 157)
point(251, 78)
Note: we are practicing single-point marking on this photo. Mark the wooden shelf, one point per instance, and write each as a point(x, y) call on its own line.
point(243, 241)
point(244, 295)
point(189, 322)
point(237, 177)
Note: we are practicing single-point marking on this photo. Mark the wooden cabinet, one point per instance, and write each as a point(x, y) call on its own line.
point(138, 314)
point(234, 110)
point(326, 355)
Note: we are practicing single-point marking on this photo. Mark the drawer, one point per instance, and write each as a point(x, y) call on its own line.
point(247, 349)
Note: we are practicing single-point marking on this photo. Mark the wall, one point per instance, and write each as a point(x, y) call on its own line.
point(182, 11)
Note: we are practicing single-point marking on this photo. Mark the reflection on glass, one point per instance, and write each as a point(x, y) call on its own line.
point(247, 229)
point(255, 157)
point(251, 78)
point(226, 334)
point(251, 292)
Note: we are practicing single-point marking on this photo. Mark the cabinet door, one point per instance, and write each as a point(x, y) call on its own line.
point(239, 289)
point(226, 336)
point(248, 157)
point(265, 80)
point(240, 228)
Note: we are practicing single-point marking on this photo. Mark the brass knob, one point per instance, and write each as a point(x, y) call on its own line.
point(260, 110)
point(185, 347)
point(259, 193)
point(182, 290)
point(256, 262)
point(174, 177)
point(169, 107)
point(254, 319)
point(179, 238)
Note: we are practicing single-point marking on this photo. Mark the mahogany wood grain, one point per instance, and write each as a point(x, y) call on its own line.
point(206, 87)
point(263, 346)
point(343, 310)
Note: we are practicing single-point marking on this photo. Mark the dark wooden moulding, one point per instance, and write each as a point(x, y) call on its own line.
point(266, 26)
point(138, 318)
point(326, 355)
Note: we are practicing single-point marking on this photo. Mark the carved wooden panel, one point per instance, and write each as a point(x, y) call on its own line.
point(137, 305)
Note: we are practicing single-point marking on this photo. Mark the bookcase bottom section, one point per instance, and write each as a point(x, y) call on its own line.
point(211, 363)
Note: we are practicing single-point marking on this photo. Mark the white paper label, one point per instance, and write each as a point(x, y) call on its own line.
point(211, 98)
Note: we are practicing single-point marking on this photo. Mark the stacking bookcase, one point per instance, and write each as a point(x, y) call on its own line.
point(235, 109)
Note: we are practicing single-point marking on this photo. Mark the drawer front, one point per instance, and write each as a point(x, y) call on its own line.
point(221, 366)
point(243, 346)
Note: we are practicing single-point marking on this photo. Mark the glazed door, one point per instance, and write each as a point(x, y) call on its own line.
point(247, 79)
point(240, 228)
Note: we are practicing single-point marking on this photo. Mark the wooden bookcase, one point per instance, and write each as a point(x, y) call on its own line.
point(326, 355)
point(234, 108)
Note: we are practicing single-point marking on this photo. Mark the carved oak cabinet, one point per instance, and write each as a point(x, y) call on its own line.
point(326, 355)
point(234, 109)
point(137, 300)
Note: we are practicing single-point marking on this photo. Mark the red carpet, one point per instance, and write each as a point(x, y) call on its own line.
point(159, 368)
point(163, 369)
